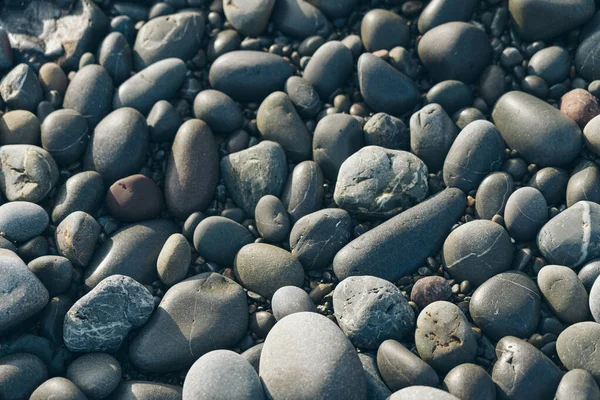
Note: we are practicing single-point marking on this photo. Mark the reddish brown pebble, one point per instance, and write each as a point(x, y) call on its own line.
point(580, 106)
point(134, 198)
point(429, 289)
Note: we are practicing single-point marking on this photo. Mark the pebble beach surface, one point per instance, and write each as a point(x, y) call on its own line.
point(299, 199)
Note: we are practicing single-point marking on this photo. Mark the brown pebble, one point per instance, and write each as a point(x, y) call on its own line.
point(430, 289)
point(579, 105)
point(134, 198)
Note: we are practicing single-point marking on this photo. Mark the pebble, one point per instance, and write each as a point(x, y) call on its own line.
point(286, 372)
point(20, 375)
point(58, 387)
point(518, 362)
point(248, 18)
point(246, 75)
point(382, 29)
point(90, 93)
point(542, 135)
point(430, 289)
point(552, 182)
point(299, 19)
point(507, 304)
point(564, 292)
point(526, 212)
point(174, 260)
point(288, 300)
point(377, 182)
point(579, 105)
point(371, 310)
point(52, 77)
point(303, 191)
point(264, 268)
point(594, 302)
point(585, 56)
point(176, 335)
point(588, 274)
point(583, 183)
point(278, 121)
point(329, 68)
point(253, 173)
point(65, 135)
point(336, 138)
point(22, 294)
point(261, 323)
point(163, 122)
point(20, 88)
point(96, 374)
point(577, 383)
point(386, 131)
point(272, 219)
point(192, 169)
point(252, 355)
point(383, 88)
point(552, 64)
point(54, 272)
point(219, 239)
point(101, 320)
point(171, 36)
point(141, 390)
point(115, 55)
point(19, 127)
point(492, 194)
point(81, 192)
point(478, 250)
point(27, 173)
point(568, 239)
point(22, 220)
point(218, 110)
point(492, 84)
point(118, 146)
point(376, 388)
point(131, 251)
point(451, 95)
point(432, 133)
point(443, 337)
point(455, 51)
point(222, 374)
point(421, 392)
point(439, 12)
point(134, 198)
point(317, 237)
point(470, 382)
point(303, 95)
point(52, 318)
point(400, 368)
point(390, 251)
point(477, 151)
point(575, 347)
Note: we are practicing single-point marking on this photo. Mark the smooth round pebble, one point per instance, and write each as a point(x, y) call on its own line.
point(96, 374)
point(430, 289)
point(289, 300)
point(526, 212)
point(174, 260)
point(469, 382)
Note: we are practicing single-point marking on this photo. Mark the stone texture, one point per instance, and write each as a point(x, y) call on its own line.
point(76, 237)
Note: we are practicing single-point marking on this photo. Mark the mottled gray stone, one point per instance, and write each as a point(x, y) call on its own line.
point(378, 182)
point(371, 310)
point(76, 237)
point(21, 220)
point(386, 131)
point(102, 319)
point(564, 292)
point(444, 338)
point(333, 369)
point(174, 260)
point(26, 172)
point(400, 368)
point(20, 88)
point(253, 173)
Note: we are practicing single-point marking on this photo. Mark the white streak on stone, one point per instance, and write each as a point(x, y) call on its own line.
point(587, 232)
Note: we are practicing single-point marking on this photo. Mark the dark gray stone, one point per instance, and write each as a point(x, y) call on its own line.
point(371, 310)
point(383, 30)
point(171, 36)
point(249, 75)
point(159, 81)
point(386, 131)
point(21, 220)
point(584, 183)
point(163, 121)
point(299, 19)
point(575, 347)
point(303, 191)
point(132, 251)
point(222, 374)
point(253, 173)
point(90, 93)
point(577, 384)
point(286, 372)
point(492, 84)
point(492, 194)
point(317, 237)
point(192, 169)
point(432, 133)
point(552, 64)
point(376, 388)
point(439, 12)
point(219, 239)
point(564, 292)
point(477, 151)
point(470, 382)
point(20, 375)
point(96, 374)
point(141, 390)
point(218, 110)
point(400, 368)
point(384, 88)
point(174, 260)
point(377, 182)
point(114, 54)
point(58, 387)
point(118, 146)
point(552, 182)
point(506, 304)
point(177, 335)
point(542, 134)
point(52, 318)
point(478, 250)
point(272, 219)
point(250, 18)
point(27, 172)
point(526, 212)
point(303, 95)
point(277, 120)
point(76, 237)
point(398, 246)
point(264, 268)
point(289, 300)
point(54, 272)
point(65, 135)
point(573, 236)
point(455, 50)
point(329, 68)
point(252, 355)
point(102, 319)
point(524, 372)
point(225, 41)
point(451, 95)
point(20, 88)
point(588, 274)
point(335, 8)
point(81, 192)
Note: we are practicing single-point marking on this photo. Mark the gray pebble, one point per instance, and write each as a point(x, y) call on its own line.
point(421, 392)
point(303, 191)
point(470, 382)
point(58, 387)
point(439, 12)
point(76, 237)
point(299, 19)
point(65, 135)
point(19, 127)
point(552, 64)
point(303, 95)
point(492, 195)
point(81, 192)
point(20, 88)
point(96, 374)
point(552, 182)
point(289, 300)
point(452, 95)
point(376, 388)
point(219, 239)
point(386, 131)
point(584, 183)
point(588, 274)
point(400, 368)
point(250, 18)
point(526, 212)
point(575, 347)
point(54, 272)
point(174, 260)
point(218, 110)
point(272, 219)
point(163, 122)
point(90, 93)
point(20, 375)
point(22, 220)
point(432, 133)
point(141, 390)
point(252, 355)
point(577, 384)
point(114, 54)
point(382, 29)
point(564, 292)
point(329, 68)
